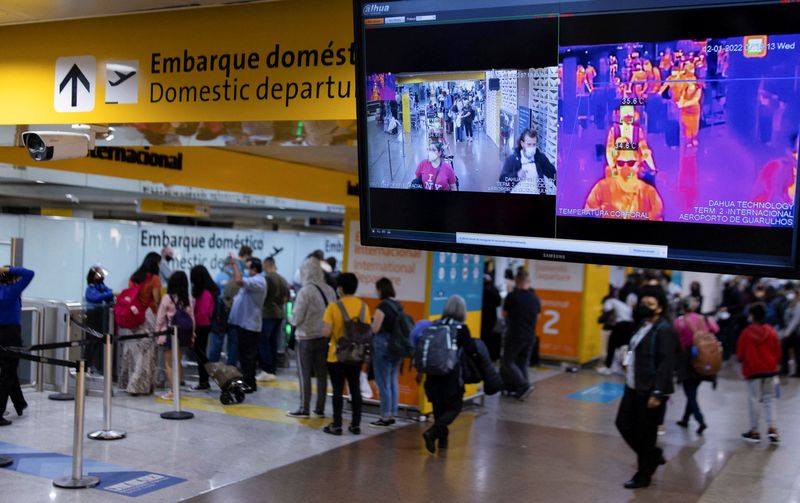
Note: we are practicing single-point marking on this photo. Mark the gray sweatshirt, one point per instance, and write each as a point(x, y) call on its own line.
point(309, 306)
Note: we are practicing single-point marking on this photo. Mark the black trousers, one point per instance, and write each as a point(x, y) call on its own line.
point(339, 373)
point(444, 413)
point(10, 335)
point(638, 426)
point(620, 335)
point(515, 359)
point(692, 406)
point(201, 346)
point(789, 344)
point(248, 355)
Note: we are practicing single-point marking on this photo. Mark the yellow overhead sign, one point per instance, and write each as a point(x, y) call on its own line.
point(206, 168)
point(175, 208)
point(265, 61)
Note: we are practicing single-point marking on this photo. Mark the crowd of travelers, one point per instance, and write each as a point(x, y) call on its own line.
point(656, 337)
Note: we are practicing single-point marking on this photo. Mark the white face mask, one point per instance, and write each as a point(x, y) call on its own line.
point(790, 296)
point(433, 156)
point(530, 152)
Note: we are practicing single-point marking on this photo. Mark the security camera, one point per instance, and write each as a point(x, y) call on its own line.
point(52, 145)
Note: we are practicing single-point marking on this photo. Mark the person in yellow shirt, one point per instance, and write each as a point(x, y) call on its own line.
point(333, 326)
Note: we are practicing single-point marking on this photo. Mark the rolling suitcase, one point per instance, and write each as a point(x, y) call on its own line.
point(227, 377)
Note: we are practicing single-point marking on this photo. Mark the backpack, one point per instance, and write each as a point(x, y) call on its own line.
point(707, 360)
point(354, 347)
point(476, 366)
point(436, 352)
point(181, 319)
point(128, 311)
point(219, 318)
point(400, 337)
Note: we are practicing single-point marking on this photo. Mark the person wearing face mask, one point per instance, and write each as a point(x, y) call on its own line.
point(164, 267)
point(434, 173)
point(622, 194)
point(777, 180)
point(527, 163)
point(628, 133)
point(649, 364)
point(245, 317)
point(690, 106)
point(673, 89)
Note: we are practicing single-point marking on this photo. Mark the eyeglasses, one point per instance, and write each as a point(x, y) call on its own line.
point(631, 163)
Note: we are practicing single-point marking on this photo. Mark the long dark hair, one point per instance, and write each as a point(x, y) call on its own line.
point(178, 288)
point(201, 281)
point(149, 265)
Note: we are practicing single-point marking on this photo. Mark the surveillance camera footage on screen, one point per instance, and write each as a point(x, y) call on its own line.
point(656, 133)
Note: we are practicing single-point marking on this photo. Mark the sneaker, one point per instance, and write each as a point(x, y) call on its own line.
point(270, 377)
point(355, 430)
point(4, 421)
point(751, 436)
point(773, 437)
point(299, 414)
point(318, 413)
point(662, 430)
point(261, 376)
point(332, 429)
point(201, 387)
point(525, 393)
point(604, 371)
point(167, 396)
point(381, 423)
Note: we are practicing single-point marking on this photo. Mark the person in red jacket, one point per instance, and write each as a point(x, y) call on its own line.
point(759, 350)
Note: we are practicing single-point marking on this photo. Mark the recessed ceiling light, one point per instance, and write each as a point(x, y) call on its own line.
point(270, 217)
point(40, 181)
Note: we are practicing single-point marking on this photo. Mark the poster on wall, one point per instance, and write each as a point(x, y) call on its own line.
point(560, 289)
point(406, 268)
point(456, 274)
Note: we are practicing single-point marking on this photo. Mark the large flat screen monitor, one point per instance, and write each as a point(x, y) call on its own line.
point(655, 133)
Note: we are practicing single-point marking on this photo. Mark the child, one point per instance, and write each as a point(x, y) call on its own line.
point(760, 353)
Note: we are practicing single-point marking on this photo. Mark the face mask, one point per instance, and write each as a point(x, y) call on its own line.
point(168, 258)
point(645, 312)
point(530, 152)
point(433, 156)
point(790, 296)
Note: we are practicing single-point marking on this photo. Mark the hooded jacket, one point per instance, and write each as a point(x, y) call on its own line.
point(759, 351)
point(309, 306)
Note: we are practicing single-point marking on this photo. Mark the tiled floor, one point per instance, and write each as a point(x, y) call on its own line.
point(550, 448)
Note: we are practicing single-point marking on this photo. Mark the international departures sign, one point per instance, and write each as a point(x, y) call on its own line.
point(273, 61)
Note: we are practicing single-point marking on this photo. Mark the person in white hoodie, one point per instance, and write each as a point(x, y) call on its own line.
point(312, 345)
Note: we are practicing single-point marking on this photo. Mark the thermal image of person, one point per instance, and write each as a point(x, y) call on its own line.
point(653, 77)
point(777, 180)
point(435, 173)
point(666, 61)
point(588, 79)
point(622, 194)
point(613, 66)
point(629, 134)
point(527, 163)
point(690, 106)
point(580, 77)
point(639, 81)
point(376, 93)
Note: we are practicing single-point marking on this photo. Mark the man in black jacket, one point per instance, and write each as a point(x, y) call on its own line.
point(526, 153)
point(649, 365)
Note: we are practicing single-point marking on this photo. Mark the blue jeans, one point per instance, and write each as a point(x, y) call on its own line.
point(385, 367)
point(268, 344)
point(232, 349)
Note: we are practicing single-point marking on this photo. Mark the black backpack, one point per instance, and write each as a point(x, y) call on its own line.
point(400, 337)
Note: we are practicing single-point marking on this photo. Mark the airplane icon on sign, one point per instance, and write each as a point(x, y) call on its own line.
point(122, 78)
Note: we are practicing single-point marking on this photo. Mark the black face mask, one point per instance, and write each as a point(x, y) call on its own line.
point(645, 312)
point(168, 258)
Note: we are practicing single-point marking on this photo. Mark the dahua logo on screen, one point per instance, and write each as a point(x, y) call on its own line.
point(373, 8)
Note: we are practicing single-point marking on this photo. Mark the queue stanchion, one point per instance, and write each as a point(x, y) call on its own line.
point(107, 433)
point(176, 413)
point(78, 480)
point(64, 395)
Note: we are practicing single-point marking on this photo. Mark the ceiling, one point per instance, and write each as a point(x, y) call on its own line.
point(36, 11)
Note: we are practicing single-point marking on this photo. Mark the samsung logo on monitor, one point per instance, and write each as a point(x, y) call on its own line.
point(374, 8)
point(554, 256)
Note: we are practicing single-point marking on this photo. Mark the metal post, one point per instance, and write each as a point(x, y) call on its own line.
point(176, 413)
point(107, 433)
point(64, 395)
point(77, 480)
point(389, 151)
